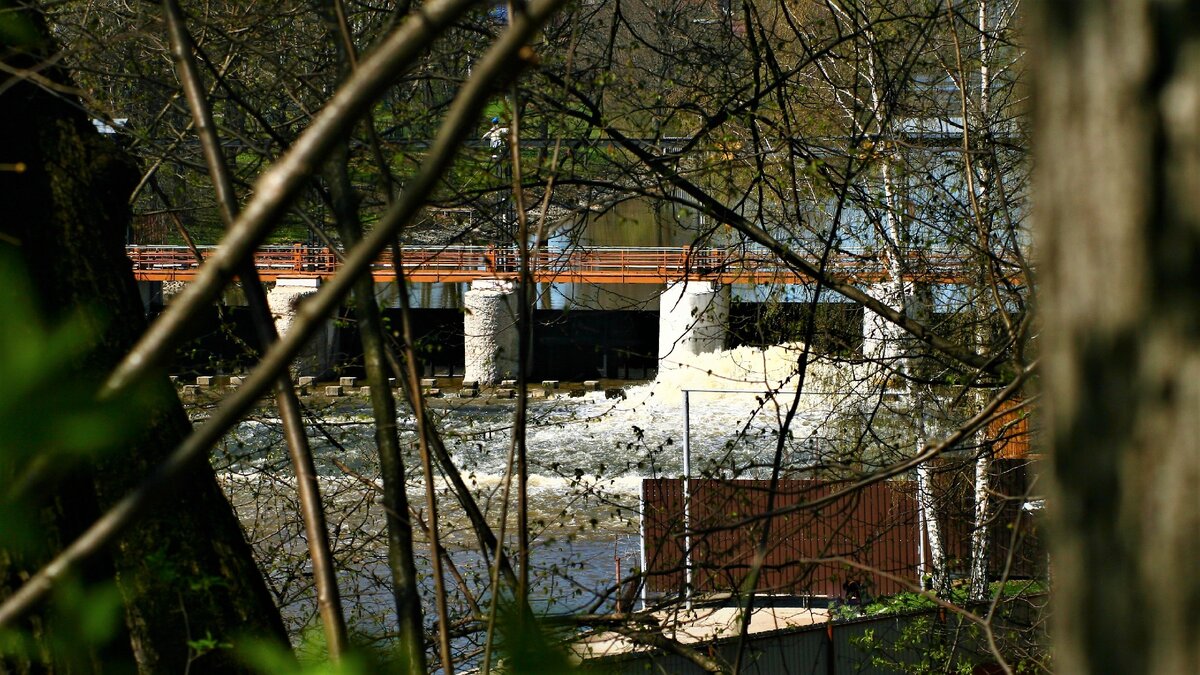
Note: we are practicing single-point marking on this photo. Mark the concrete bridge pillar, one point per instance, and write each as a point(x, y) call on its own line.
point(317, 357)
point(490, 331)
point(692, 319)
point(882, 339)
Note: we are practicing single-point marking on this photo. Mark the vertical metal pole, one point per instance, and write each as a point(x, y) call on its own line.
point(617, 560)
point(642, 531)
point(687, 500)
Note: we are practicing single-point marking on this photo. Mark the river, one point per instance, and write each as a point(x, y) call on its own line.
point(587, 454)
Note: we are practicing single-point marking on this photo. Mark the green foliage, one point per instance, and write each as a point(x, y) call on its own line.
point(49, 417)
point(42, 383)
point(206, 644)
point(926, 639)
point(958, 595)
point(79, 616)
point(530, 647)
point(50, 424)
point(17, 30)
point(310, 658)
point(924, 646)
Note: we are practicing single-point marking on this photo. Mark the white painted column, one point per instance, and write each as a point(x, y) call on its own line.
point(490, 331)
point(317, 357)
point(881, 338)
point(693, 317)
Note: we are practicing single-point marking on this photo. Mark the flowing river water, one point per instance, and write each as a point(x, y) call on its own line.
point(587, 457)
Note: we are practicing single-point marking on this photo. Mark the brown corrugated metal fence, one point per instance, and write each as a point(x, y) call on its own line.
point(865, 538)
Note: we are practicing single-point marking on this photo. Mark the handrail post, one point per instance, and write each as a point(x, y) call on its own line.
point(687, 500)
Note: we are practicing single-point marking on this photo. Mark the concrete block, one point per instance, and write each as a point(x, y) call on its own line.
point(591, 385)
point(365, 391)
point(505, 392)
point(468, 392)
point(432, 391)
point(306, 381)
point(429, 382)
point(347, 381)
point(174, 379)
point(333, 390)
point(508, 383)
point(537, 393)
point(550, 385)
point(237, 381)
point(189, 391)
point(205, 381)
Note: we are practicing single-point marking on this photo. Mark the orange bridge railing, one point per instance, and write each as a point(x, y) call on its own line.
point(602, 265)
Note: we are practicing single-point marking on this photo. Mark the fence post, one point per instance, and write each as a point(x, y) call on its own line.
point(687, 500)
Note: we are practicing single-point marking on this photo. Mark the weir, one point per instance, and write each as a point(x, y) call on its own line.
point(470, 331)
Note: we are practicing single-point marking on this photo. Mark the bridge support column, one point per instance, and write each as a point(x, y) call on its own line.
point(692, 319)
point(883, 340)
point(490, 331)
point(387, 294)
point(317, 357)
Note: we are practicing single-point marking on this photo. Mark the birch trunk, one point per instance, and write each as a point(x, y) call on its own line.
point(979, 534)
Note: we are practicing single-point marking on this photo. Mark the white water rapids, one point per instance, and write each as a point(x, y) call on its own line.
point(587, 458)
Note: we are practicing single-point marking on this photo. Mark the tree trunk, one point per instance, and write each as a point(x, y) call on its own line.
point(1118, 136)
point(185, 571)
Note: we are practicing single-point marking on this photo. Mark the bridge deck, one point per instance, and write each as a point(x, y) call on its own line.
point(574, 265)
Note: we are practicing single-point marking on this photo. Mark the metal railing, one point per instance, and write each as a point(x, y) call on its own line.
point(576, 264)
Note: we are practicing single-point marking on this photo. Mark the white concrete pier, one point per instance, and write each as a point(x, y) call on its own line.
point(490, 331)
point(283, 300)
point(693, 317)
point(883, 340)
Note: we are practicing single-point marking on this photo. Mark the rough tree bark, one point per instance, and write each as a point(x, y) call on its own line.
point(185, 572)
point(1118, 184)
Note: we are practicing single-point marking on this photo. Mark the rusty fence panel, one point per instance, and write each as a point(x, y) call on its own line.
point(809, 551)
point(865, 540)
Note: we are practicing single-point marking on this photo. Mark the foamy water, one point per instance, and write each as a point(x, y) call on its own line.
point(592, 444)
point(587, 457)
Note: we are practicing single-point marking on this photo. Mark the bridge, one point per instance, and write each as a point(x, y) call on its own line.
point(600, 265)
